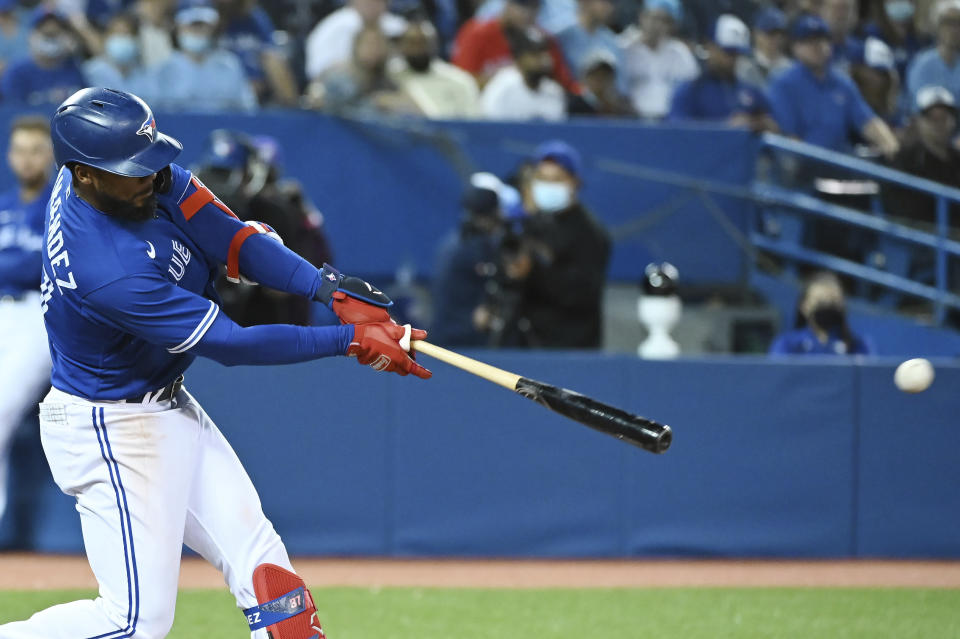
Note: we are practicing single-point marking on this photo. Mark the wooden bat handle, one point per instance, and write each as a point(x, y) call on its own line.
point(486, 371)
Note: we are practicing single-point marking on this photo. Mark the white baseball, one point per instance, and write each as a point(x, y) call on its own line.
point(914, 375)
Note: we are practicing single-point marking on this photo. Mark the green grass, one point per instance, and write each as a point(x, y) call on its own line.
point(682, 613)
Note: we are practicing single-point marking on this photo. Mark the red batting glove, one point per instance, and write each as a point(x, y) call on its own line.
point(350, 310)
point(380, 345)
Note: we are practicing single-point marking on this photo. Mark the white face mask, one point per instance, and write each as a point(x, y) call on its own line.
point(550, 197)
point(899, 10)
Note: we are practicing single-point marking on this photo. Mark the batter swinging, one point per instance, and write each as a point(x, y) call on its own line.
point(132, 247)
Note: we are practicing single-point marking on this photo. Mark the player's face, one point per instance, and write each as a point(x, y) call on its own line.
point(131, 198)
point(30, 157)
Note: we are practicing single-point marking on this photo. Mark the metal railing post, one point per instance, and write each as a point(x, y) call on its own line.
point(941, 281)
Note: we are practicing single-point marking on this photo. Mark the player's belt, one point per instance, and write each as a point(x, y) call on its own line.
point(160, 395)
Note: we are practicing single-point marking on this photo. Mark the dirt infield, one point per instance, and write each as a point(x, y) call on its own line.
point(38, 572)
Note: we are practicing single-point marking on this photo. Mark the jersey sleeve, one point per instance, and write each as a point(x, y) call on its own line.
point(153, 309)
point(784, 109)
point(228, 240)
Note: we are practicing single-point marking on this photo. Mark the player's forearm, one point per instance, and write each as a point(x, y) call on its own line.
point(271, 264)
point(232, 345)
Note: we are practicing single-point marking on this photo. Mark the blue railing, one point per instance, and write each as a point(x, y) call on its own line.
point(792, 209)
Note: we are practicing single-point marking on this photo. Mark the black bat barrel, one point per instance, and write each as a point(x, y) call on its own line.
point(639, 431)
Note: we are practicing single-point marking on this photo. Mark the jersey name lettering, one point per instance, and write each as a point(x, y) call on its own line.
point(55, 250)
point(178, 260)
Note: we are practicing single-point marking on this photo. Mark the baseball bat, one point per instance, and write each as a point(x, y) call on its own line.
point(636, 430)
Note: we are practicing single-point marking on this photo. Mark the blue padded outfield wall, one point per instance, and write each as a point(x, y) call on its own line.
point(770, 459)
point(389, 193)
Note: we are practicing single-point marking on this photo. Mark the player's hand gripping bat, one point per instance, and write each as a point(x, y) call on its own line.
point(639, 431)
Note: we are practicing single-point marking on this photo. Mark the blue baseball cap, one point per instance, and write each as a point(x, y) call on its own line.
point(808, 26)
point(561, 153)
point(43, 13)
point(191, 11)
point(770, 19)
point(226, 150)
point(670, 6)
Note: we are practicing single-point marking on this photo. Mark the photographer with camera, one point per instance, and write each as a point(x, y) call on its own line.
point(558, 265)
point(245, 172)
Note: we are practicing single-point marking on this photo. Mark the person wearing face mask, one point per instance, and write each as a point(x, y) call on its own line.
point(820, 325)
point(361, 87)
point(526, 89)
point(49, 73)
point(120, 65)
point(440, 89)
point(200, 75)
point(562, 265)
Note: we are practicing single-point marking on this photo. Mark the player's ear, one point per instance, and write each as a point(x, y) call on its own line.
point(82, 174)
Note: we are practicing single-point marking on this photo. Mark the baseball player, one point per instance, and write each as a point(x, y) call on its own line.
point(24, 355)
point(132, 247)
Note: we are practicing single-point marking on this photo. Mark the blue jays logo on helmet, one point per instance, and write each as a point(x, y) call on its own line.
point(111, 130)
point(148, 128)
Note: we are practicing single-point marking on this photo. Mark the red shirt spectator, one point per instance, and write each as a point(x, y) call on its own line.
point(482, 48)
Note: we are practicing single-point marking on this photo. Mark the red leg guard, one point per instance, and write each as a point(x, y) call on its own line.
point(271, 582)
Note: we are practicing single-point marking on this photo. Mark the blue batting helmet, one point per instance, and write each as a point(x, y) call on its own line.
point(110, 130)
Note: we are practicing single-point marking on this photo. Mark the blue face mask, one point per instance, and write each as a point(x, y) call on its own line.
point(122, 49)
point(550, 197)
point(899, 10)
point(193, 43)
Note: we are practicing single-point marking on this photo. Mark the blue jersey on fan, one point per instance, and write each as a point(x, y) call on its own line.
point(21, 239)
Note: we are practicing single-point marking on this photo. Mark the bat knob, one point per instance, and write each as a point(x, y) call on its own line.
point(664, 440)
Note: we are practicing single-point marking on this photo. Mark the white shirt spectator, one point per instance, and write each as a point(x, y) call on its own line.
point(653, 74)
point(507, 97)
point(331, 41)
point(444, 92)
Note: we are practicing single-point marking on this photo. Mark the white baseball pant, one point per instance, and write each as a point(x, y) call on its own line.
point(148, 478)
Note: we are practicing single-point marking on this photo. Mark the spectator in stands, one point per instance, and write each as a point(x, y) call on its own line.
point(362, 87)
point(246, 181)
point(484, 47)
point(601, 95)
point(156, 29)
point(700, 16)
point(563, 263)
point(820, 325)
point(200, 75)
point(932, 156)
point(717, 94)
point(769, 55)
point(50, 73)
point(940, 64)
point(466, 263)
point(553, 16)
point(840, 17)
point(655, 63)
point(330, 43)
point(120, 66)
point(898, 27)
point(13, 32)
point(874, 71)
point(526, 89)
point(247, 31)
point(590, 33)
point(439, 89)
point(815, 103)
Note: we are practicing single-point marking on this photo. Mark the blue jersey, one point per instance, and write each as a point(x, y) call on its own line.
point(712, 98)
point(825, 111)
point(803, 341)
point(126, 302)
point(27, 82)
point(21, 238)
